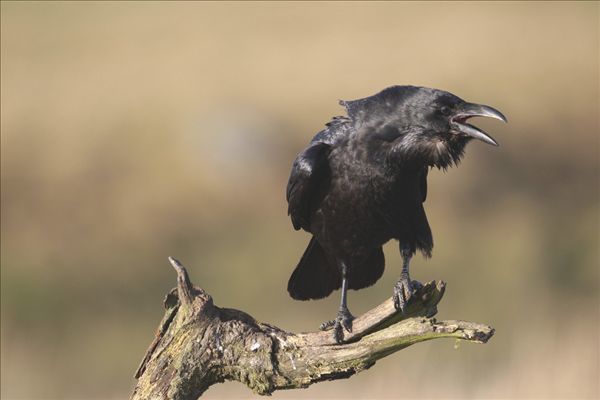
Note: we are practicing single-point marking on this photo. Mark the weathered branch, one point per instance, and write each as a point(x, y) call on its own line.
point(199, 344)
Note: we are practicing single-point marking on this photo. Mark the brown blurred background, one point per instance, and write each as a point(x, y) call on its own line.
point(134, 131)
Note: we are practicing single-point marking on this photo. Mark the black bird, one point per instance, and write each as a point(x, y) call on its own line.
point(363, 180)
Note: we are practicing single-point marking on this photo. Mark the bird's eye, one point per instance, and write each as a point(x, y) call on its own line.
point(445, 110)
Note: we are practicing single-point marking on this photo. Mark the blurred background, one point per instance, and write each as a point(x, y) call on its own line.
point(133, 131)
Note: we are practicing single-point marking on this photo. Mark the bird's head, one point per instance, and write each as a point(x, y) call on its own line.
point(420, 124)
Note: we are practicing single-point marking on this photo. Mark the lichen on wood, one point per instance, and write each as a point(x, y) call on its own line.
point(199, 344)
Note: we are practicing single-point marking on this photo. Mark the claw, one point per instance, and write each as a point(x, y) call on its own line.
point(326, 325)
point(338, 334)
point(403, 291)
point(416, 286)
point(347, 324)
point(342, 321)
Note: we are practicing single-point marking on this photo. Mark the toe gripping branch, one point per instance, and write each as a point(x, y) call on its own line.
point(199, 344)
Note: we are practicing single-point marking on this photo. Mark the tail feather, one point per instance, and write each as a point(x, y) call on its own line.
point(368, 272)
point(315, 277)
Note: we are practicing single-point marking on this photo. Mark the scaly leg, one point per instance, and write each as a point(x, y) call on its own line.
point(404, 288)
point(344, 318)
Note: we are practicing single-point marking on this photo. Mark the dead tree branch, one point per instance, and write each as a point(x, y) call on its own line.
point(199, 344)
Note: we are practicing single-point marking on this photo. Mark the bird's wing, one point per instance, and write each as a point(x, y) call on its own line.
point(310, 173)
point(423, 184)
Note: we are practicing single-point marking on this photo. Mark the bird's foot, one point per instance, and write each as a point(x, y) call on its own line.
point(341, 322)
point(403, 291)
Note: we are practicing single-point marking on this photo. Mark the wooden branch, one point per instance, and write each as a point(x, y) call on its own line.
point(199, 344)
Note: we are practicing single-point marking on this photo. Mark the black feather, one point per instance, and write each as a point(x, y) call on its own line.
point(314, 277)
point(363, 180)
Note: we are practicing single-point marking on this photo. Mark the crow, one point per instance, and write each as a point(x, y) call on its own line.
point(362, 181)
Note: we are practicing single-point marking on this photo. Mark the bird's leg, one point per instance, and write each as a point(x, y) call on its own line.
point(344, 318)
point(404, 288)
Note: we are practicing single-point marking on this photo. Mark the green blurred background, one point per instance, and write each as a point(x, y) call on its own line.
point(134, 131)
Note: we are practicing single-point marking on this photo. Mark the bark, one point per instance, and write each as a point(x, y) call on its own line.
point(199, 344)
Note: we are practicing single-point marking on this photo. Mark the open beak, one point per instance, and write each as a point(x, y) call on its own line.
point(469, 110)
